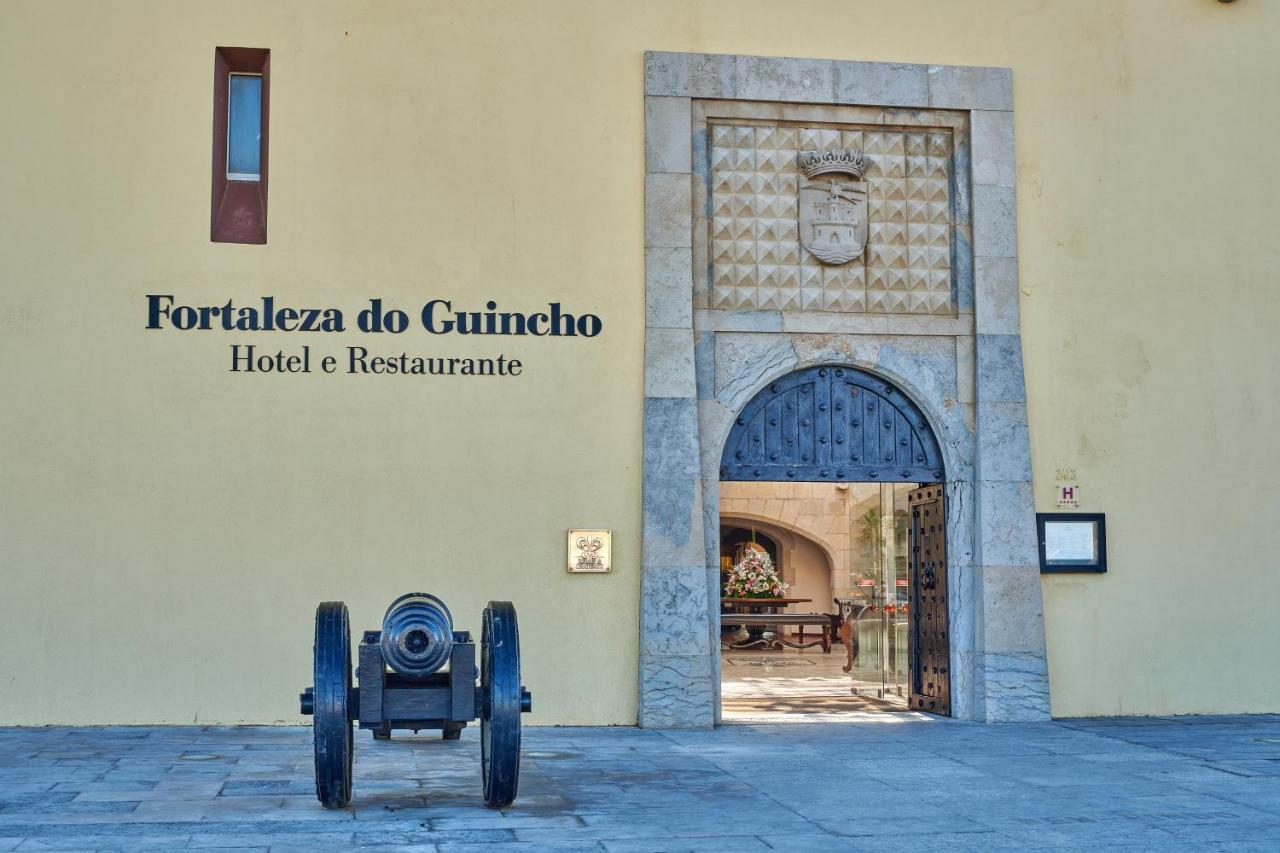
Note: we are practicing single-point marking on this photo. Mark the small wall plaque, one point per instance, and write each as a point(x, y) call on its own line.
point(1072, 541)
point(591, 551)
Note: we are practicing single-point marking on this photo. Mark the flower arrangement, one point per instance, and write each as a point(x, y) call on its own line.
point(754, 577)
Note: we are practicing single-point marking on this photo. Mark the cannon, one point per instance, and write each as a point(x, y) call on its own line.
point(417, 673)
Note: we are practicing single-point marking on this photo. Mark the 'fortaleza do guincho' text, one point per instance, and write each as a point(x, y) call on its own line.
point(437, 317)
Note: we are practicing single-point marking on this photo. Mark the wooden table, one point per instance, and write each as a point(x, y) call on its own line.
point(773, 603)
point(757, 605)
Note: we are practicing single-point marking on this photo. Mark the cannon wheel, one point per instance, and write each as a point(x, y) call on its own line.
point(500, 712)
point(334, 741)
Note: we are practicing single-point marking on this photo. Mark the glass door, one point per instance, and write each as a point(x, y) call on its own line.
point(874, 591)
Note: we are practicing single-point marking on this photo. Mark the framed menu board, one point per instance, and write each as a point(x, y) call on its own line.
point(1072, 541)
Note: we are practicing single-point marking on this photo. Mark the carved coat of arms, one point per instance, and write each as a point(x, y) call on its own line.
point(833, 204)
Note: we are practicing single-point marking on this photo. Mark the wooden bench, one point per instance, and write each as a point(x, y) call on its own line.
point(779, 620)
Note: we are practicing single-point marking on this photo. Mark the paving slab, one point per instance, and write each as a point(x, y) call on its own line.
point(1166, 784)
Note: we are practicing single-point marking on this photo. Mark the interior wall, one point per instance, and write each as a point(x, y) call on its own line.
point(809, 574)
point(816, 510)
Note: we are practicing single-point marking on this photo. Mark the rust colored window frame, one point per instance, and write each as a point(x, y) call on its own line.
point(239, 213)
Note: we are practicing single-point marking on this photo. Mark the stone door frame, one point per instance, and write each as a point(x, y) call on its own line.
point(702, 366)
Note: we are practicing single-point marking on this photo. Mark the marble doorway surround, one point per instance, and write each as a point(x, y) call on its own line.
point(733, 302)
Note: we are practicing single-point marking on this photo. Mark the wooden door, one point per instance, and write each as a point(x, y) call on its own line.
point(930, 642)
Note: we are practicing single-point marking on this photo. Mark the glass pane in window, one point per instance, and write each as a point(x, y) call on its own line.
point(244, 127)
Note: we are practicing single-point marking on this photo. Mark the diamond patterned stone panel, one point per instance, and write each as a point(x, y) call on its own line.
point(758, 262)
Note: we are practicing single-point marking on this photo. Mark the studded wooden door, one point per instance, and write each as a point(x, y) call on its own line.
point(831, 423)
point(930, 641)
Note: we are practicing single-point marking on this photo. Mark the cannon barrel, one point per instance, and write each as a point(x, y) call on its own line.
point(417, 634)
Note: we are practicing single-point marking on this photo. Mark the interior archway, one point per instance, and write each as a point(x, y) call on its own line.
point(804, 558)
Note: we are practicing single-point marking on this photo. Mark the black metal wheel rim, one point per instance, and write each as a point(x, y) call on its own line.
point(500, 713)
point(332, 731)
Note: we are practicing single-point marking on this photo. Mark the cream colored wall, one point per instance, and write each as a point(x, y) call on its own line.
point(168, 528)
point(810, 577)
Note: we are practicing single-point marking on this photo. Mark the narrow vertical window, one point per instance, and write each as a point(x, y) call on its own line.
point(244, 127)
point(241, 105)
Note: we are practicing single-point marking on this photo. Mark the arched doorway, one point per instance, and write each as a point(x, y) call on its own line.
point(837, 424)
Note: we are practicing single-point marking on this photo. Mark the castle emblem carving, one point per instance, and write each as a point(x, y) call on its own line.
point(833, 204)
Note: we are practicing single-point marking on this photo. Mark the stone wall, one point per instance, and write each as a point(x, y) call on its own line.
point(758, 260)
point(707, 355)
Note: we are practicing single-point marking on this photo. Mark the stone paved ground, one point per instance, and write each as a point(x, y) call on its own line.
point(894, 782)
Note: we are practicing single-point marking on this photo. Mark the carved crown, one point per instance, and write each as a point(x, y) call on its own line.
point(844, 161)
